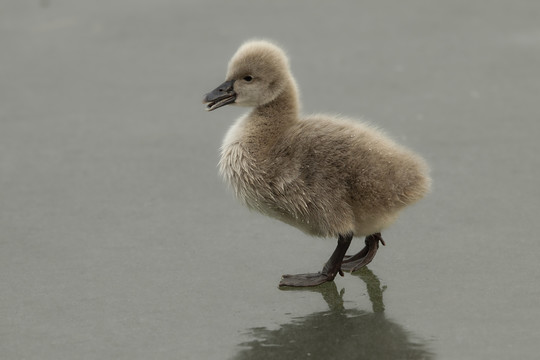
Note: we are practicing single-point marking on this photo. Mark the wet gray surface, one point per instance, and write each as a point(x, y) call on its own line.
point(119, 241)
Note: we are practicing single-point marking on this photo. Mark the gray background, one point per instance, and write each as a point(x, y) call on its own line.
point(118, 240)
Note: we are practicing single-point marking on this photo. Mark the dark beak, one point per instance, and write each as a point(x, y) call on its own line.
point(222, 95)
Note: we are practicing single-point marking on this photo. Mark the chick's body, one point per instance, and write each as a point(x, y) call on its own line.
point(324, 175)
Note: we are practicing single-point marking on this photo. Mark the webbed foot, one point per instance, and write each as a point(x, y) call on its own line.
point(303, 280)
point(328, 273)
point(365, 256)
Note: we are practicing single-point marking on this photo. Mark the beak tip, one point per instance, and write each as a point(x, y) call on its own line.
point(222, 95)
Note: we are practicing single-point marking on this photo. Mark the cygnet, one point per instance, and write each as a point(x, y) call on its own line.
point(326, 175)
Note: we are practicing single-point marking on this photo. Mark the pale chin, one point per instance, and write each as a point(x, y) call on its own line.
point(243, 103)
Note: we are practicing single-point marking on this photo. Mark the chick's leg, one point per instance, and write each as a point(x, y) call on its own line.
point(329, 271)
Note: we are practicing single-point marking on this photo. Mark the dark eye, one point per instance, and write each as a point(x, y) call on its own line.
point(248, 78)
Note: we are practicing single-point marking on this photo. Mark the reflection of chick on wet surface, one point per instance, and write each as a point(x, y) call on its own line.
point(338, 333)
